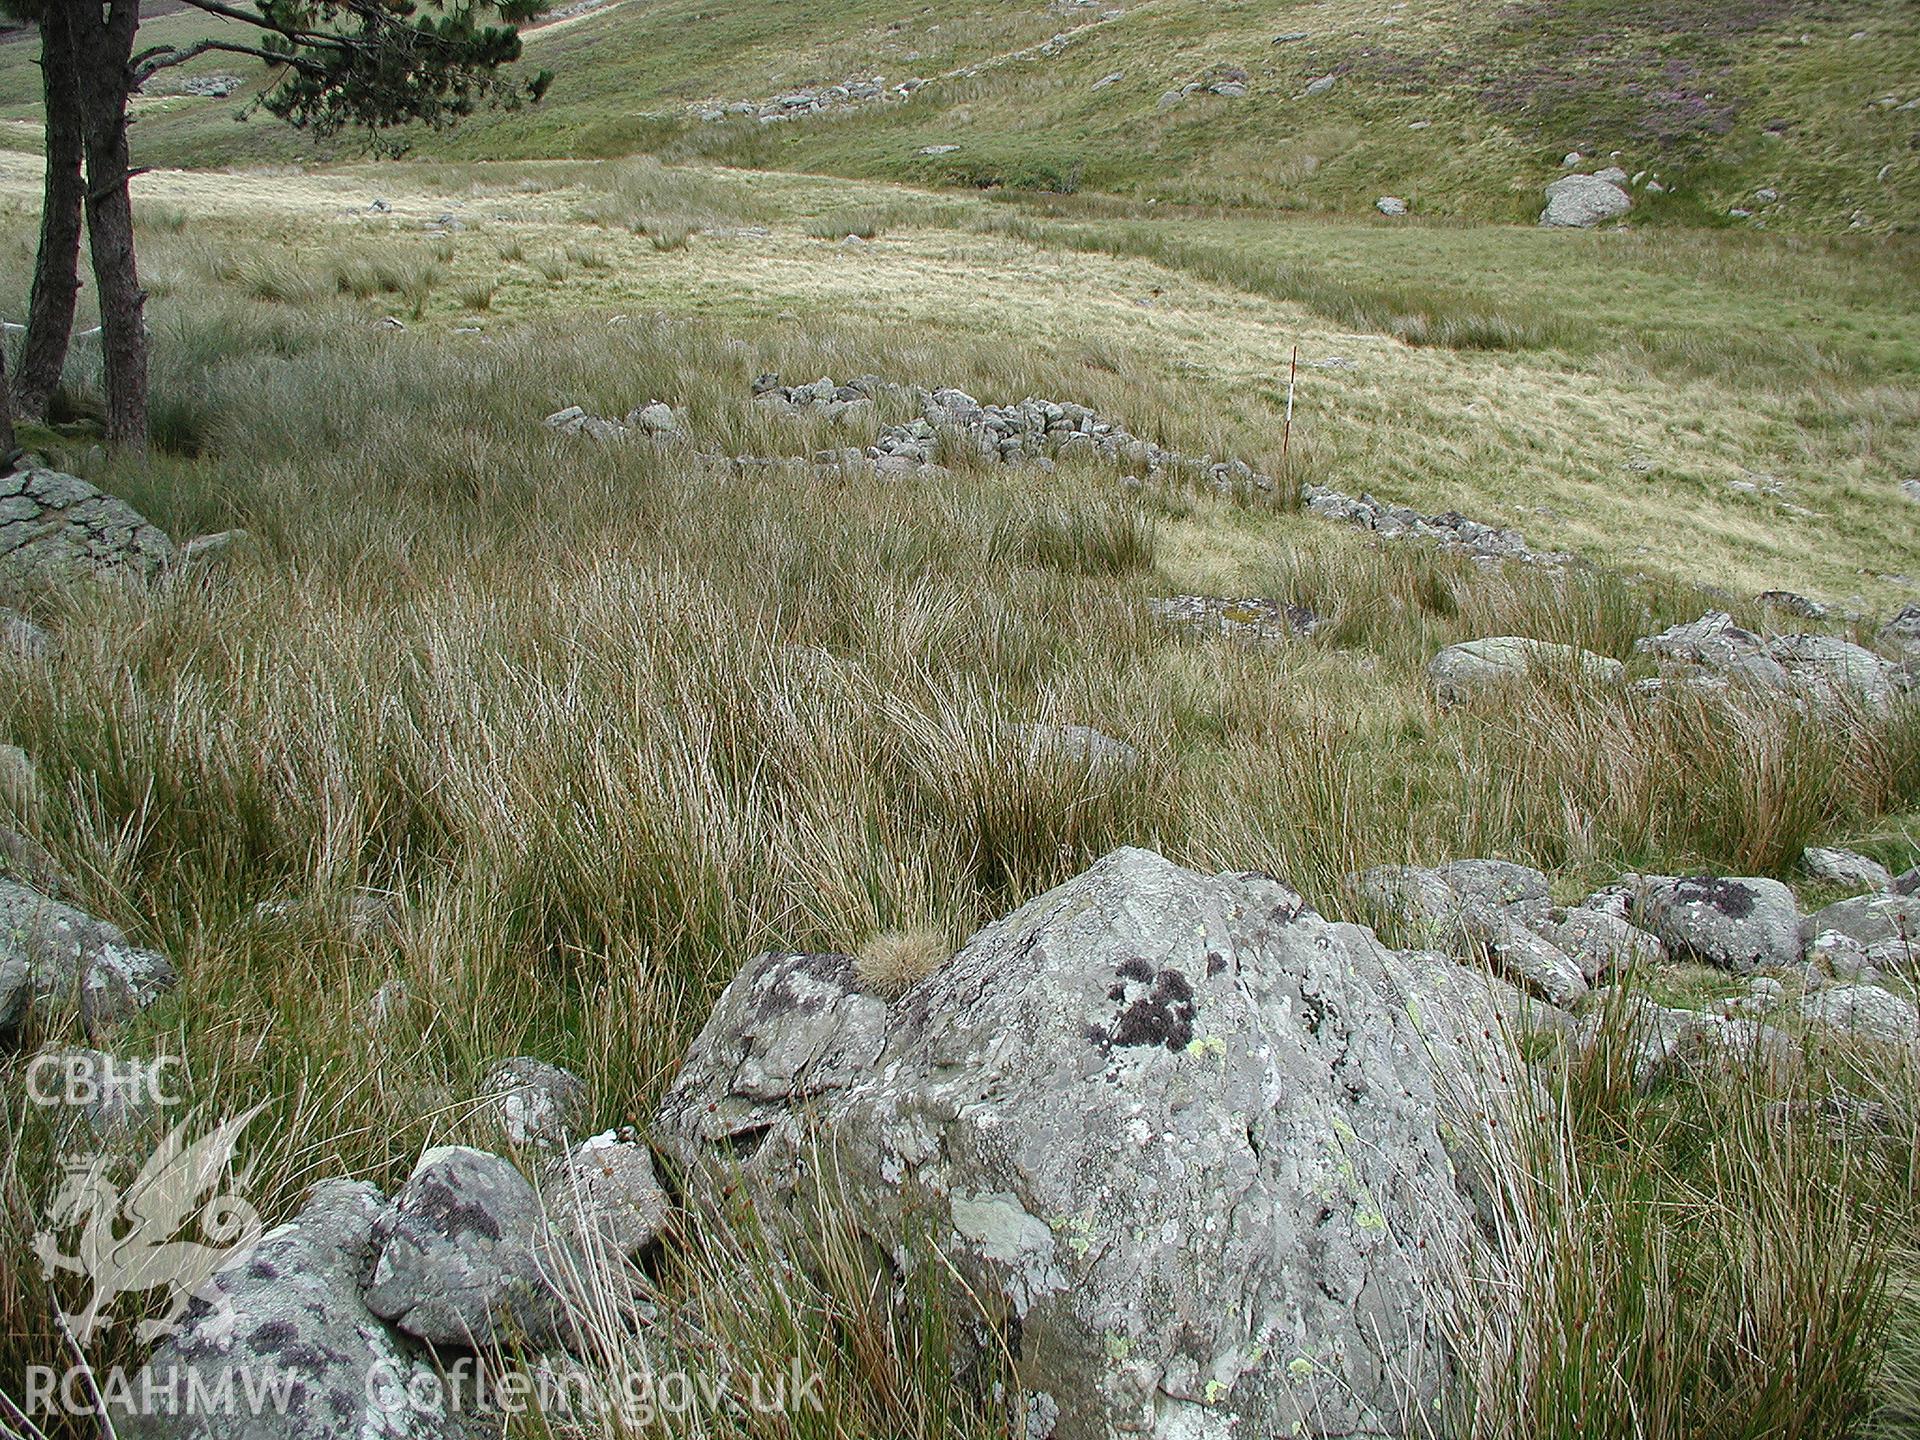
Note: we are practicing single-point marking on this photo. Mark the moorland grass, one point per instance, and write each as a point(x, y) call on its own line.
point(604, 720)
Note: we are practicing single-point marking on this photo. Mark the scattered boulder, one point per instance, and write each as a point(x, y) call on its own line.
point(1250, 622)
point(466, 1257)
point(1900, 634)
point(1390, 205)
point(207, 549)
point(1845, 867)
point(1713, 641)
point(1865, 1012)
point(1841, 956)
point(1581, 201)
point(1787, 600)
point(1496, 882)
point(50, 951)
point(1660, 1039)
point(1451, 531)
point(574, 420)
point(1079, 745)
point(533, 1103)
point(21, 639)
point(1737, 924)
point(1833, 670)
point(292, 1307)
point(19, 781)
point(1190, 1132)
point(1820, 668)
point(604, 1192)
point(1478, 918)
point(1870, 919)
point(1320, 86)
point(57, 529)
point(1473, 667)
point(1601, 943)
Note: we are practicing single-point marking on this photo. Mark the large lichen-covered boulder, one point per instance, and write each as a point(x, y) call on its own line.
point(56, 529)
point(51, 953)
point(1736, 923)
point(1188, 1131)
point(289, 1315)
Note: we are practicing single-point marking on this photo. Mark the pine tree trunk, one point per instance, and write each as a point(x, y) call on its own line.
point(105, 53)
point(56, 275)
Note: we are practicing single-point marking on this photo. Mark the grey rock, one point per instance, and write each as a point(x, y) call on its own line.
point(1820, 668)
point(1321, 85)
point(1658, 1039)
point(1613, 175)
point(206, 549)
point(1580, 201)
point(1111, 78)
point(1528, 959)
point(1496, 882)
point(1870, 919)
point(1841, 956)
point(1190, 1132)
point(1907, 882)
point(1738, 924)
point(1229, 89)
point(1845, 867)
point(1601, 943)
point(1801, 605)
point(19, 780)
point(1249, 621)
point(604, 1192)
point(21, 639)
point(1390, 205)
point(1901, 633)
point(466, 1256)
point(1832, 669)
point(1621, 899)
point(1079, 745)
point(57, 529)
point(532, 1102)
point(1865, 1012)
point(1713, 640)
point(1460, 672)
point(50, 953)
point(291, 1309)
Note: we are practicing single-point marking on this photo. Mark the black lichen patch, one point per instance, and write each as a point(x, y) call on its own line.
point(1164, 1015)
point(443, 1206)
point(1216, 964)
point(1729, 897)
point(1316, 1011)
point(272, 1337)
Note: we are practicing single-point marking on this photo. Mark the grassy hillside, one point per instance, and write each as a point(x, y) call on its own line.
point(597, 722)
point(1703, 405)
point(1464, 109)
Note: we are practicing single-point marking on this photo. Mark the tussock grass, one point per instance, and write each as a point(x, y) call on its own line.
point(1720, 1257)
point(604, 721)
